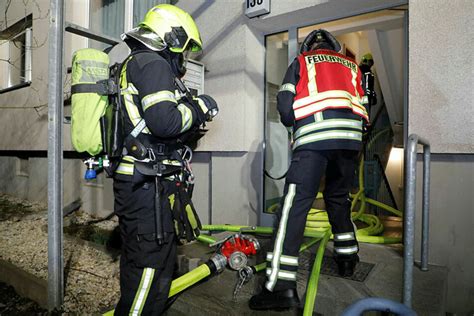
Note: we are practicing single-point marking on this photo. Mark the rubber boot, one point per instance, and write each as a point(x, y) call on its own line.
point(278, 300)
point(346, 264)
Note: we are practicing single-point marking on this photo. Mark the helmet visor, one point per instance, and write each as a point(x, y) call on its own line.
point(179, 41)
point(147, 37)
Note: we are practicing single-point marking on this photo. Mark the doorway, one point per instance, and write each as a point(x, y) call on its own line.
point(383, 34)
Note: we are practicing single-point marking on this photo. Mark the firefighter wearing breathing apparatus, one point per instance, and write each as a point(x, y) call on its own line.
point(321, 99)
point(368, 80)
point(153, 180)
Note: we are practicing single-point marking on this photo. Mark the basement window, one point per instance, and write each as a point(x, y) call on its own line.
point(15, 55)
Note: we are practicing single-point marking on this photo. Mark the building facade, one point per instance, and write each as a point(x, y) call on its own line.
point(242, 56)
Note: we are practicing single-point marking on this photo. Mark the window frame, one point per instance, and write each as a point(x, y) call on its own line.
point(26, 30)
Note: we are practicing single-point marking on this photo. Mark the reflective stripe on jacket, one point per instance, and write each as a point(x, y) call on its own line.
point(148, 93)
point(328, 80)
point(321, 99)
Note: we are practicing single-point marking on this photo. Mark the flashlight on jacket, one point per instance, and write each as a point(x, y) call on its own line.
point(213, 112)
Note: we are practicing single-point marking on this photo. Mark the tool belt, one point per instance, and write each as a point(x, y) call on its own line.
point(163, 168)
point(165, 162)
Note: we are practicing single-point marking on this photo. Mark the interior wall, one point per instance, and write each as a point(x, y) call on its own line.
point(394, 173)
point(364, 47)
point(351, 41)
point(387, 48)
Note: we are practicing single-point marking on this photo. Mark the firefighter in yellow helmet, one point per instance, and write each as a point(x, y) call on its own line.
point(368, 80)
point(151, 182)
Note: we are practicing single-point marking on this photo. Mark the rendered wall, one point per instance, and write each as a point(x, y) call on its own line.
point(441, 110)
point(234, 60)
point(441, 74)
point(234, 55)
point(451, 225)
point(30, 182)
point(24, 111)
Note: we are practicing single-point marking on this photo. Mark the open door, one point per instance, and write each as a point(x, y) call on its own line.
point(383, 35)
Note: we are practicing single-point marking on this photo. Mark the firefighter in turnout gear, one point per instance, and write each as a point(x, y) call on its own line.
point(368, 80)
point(153, 181)
point(322, 100)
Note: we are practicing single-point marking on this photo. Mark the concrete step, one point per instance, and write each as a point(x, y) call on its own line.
point(214, 296)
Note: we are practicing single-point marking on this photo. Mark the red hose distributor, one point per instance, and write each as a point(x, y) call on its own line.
point(236, 248)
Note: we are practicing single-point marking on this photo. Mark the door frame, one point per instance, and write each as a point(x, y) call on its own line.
point(292, 21)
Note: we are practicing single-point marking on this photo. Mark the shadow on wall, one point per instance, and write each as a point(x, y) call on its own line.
point(11, 183)
point(254, 75)
point(220, 35)
point(203, 7)
point(252, 180)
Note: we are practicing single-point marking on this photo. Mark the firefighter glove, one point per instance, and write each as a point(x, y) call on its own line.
point(208, 106)
point(186, 220)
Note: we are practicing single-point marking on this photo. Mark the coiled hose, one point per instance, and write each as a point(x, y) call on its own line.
point(318, 228)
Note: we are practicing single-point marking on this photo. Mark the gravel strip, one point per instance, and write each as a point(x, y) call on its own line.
point(91, 273)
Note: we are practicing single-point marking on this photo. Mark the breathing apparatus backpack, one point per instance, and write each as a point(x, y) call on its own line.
point(96, 119)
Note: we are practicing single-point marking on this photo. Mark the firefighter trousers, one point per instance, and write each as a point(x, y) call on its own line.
point(146, 267)
point(301, 187)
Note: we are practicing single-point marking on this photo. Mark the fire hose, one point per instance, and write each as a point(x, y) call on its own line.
point(318, 228)
point(234, 249)
point(215, 265)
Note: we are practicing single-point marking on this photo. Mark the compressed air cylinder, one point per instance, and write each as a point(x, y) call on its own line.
point(87, 106)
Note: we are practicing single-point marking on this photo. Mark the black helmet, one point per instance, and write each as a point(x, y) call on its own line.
point(320, 39)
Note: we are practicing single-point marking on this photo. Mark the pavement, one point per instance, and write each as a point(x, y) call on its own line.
point(380, 275)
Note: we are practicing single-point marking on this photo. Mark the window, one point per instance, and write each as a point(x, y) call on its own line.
point(114, 17)
point(141, 7)
point(15, 54)
point(276, 135)
point(106, 17)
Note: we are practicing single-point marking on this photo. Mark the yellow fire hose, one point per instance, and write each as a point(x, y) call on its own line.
point(317, 228)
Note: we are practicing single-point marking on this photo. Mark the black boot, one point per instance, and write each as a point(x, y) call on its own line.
point(277, 300)
point(346, 264)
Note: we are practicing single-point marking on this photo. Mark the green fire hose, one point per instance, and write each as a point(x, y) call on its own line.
point(317, 228)
point(312, 288)
point(214, 265)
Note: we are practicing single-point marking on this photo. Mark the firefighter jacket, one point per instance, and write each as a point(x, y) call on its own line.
point(148, 91)
point(322, 99)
